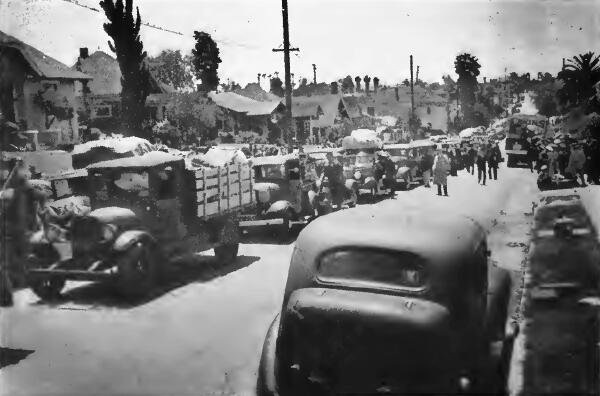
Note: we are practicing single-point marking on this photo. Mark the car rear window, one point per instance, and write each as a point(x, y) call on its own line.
point(373, 268)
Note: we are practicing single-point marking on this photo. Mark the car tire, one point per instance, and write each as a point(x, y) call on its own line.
point(48, 288)
point(138, 269)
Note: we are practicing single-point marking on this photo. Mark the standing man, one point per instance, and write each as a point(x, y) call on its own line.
point(441, 167)
point(471, 158)
point(481, 163)
point(493, 161)
point(334, 172)
point(577, 162)
point(426, 165)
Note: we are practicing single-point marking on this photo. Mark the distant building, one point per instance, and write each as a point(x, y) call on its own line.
point(104, 99)
point(39, 93)
point(315, 116)
point(239, 113)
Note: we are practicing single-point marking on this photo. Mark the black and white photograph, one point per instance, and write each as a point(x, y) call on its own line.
point(299, 197)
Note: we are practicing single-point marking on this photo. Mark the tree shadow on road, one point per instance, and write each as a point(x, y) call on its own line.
point(194, 269)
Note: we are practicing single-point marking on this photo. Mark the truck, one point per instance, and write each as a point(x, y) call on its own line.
point(145, 211)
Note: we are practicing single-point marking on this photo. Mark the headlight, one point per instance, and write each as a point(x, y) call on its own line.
point(357, 175)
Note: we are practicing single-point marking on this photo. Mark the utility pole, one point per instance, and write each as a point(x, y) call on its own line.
point(417, 79)
point(412, 97)
point(288, 83)
point(314, 74)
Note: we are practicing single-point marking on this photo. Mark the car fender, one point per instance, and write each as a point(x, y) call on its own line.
point(266, 383)
point(128, 238)
point(279, 206)
point(499, 291)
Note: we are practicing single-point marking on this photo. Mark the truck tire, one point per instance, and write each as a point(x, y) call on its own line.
point(138, 269)
point(47, 288)
point(228, 242)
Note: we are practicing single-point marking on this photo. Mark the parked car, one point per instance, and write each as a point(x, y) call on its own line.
point(285, 194)
point(381, 300)
point(146, 210)
point(409, 172)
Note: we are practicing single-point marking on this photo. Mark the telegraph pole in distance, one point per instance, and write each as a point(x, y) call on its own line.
point(314, 74)
point(288, 83)
point(412, 97)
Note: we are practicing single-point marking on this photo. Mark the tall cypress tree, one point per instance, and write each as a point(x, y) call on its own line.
point(206, 61)
point(135, 77)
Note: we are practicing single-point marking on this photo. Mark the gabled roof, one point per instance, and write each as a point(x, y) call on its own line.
point(107, 75)
point(41, 64)
point(242, 104)
point(304, 106)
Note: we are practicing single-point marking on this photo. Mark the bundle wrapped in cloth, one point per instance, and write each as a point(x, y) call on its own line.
point(216, 157)
point(362, 139)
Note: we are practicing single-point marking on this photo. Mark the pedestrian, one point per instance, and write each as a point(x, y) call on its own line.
point(577, 162)
point(481, 164)
point(441, 167)
point(471, 158)
point(493, 159)
point(552, 161)
point(532, 154)
point(426, 165)
point(334, 172)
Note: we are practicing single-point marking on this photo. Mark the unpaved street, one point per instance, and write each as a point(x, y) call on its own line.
point(201, 334)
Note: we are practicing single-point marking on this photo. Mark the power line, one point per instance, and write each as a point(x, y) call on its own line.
point(77, 3)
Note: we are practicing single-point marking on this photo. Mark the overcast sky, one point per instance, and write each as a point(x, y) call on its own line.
point(341, 37)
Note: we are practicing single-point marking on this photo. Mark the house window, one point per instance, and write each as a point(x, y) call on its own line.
point(306, 126)
point(103, 111)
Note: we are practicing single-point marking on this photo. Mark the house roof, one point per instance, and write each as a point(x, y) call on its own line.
point(242, 104)
point(107, 75)
point(41, 64)
point(307, 105)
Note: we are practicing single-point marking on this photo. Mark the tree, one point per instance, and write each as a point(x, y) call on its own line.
point(367, 81)
point(277, 87)
point(206, 61)
point(192, 112)
point(334, 88)
point(347, 85)
point(578, 76)
point(375, 84)
point(357, 80)
point(171, 68)
point(467, 67)
point(406, 82)
point(129, 49)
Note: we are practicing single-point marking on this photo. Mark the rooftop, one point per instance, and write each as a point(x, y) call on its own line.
point(41, 64)
point(242, 104)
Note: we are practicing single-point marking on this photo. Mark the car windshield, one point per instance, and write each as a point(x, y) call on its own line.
point(397, 152)
point(271, 171)
point(373, 268)
point(363, 160)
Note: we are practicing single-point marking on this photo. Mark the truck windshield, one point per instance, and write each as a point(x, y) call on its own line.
point(270, 171)
point(373, 268)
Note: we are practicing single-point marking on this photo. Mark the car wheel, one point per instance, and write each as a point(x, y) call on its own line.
point(138, 269)
point(47, 289)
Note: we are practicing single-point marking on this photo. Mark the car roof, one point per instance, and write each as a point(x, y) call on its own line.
point(396, 146)
point(148, 160)
point(434, 236)
point(274, 159)
point(421, 143)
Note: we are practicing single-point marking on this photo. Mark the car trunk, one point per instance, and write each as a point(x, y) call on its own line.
point(348, 341)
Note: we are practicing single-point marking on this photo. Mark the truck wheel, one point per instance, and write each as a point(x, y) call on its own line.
point(47, 289)
point(228, 244)
point(138, 269)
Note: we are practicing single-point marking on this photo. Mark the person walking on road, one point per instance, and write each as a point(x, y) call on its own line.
point(532, 154)
point(577, 162)
point(441, 167)
point(493, 161)
point(426, 165)
point(471, 157)
point(481, 164)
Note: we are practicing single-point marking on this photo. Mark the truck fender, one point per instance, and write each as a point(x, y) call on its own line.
point(266, 383)
point(128, 238)
point(279, 206)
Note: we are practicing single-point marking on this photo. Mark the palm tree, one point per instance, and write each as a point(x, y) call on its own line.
point(579, 76)
point(367, 81)
point(467, 67)
point(357, 79)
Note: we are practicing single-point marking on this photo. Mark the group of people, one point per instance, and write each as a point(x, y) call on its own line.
point(441, 162)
